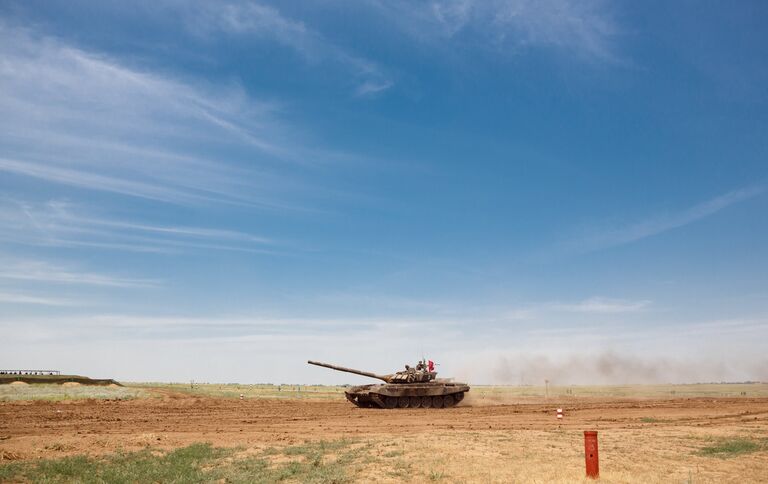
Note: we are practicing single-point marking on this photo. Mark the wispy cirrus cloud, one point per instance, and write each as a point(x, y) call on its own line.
point(58, 223)
point(601, 305)
point(603, 238)
point(98, 182)
point(551, 310)
point(265, 22)
point(39, 271)
point(586, 29)
point(19, 298)
point(187, 328)
point(373, 87)
point(379, 302)
point(82, 119)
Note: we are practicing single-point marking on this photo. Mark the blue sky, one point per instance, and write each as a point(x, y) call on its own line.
point(218, 191)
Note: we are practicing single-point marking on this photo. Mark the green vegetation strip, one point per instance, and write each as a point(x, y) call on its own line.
point(479, 392)
point(53, 392)
point(319, 462)
point(733, 447)
point(234, 390)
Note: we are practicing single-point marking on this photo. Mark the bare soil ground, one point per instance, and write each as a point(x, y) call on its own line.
point(641, 439)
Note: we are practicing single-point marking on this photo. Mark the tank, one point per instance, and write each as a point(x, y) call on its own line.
point(413, 388)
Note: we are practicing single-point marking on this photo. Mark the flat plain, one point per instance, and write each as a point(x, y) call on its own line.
point(661, 433)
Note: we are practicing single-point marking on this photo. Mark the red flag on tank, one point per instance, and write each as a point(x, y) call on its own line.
point(430, 365)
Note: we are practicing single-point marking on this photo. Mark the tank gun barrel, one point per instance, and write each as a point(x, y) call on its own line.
point(385, 378)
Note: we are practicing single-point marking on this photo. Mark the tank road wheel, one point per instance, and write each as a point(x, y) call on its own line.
point(459, 397)
point(377, 401)
point(448, 401)
point(426, 402)
point(437, 402)
point(414, 402)
point(390, 402)
point(403, 402)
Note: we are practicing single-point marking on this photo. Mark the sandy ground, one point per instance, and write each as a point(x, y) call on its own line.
point(641, 440)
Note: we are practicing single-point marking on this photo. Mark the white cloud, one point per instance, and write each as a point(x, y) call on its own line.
point(578, 26)
point(372, 87)
point(98, 182)
point(59, 223)
point(42, 271)
point(530, 317)
point(605, 238)
point(452, 16)
point(585, 28)
point(82, 119)
point(245, 348)
point(604, 305)
point(17, 298)
point(266, 22)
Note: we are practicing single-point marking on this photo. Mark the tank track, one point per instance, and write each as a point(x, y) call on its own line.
point(374, 400)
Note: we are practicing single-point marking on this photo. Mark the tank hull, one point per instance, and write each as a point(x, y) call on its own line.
point(413, 395)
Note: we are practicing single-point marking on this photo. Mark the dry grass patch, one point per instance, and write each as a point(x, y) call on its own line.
point(56, 392)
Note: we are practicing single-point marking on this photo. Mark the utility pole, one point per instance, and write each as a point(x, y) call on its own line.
point(546, 388)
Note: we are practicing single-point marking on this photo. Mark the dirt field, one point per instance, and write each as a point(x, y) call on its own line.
point(641, 440)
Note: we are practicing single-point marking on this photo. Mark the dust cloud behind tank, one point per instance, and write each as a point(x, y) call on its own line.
point(413, 388)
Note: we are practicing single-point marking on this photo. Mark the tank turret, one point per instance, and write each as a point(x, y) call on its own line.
point(411, 388)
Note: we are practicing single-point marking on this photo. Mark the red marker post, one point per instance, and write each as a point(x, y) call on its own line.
point(590, 454)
